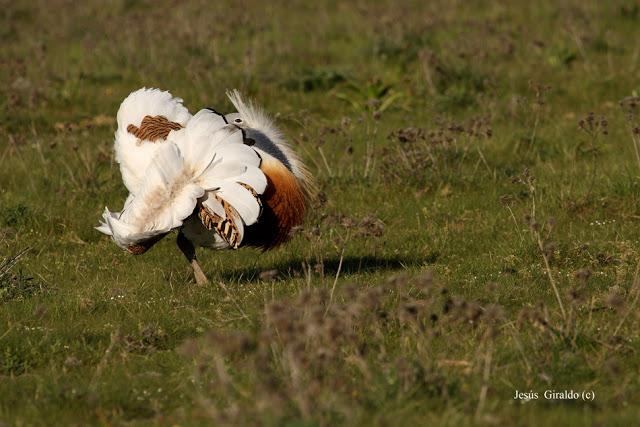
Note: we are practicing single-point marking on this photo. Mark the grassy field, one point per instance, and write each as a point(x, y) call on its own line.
point(476, 230)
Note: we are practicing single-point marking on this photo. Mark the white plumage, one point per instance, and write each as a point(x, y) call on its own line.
point(221, 180)
point(167, 179)
point(133, 156)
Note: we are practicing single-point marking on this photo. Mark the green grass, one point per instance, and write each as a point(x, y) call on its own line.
point(417, 292)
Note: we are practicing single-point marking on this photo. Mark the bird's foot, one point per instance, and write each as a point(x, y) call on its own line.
point(201, 279)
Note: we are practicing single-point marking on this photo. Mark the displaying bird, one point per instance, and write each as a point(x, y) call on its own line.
point(223, 181)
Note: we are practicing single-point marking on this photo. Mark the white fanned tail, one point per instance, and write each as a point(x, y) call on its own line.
point(132, 154)
point(205, 161)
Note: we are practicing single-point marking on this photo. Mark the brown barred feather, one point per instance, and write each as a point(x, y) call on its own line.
point(253, 193)
point(153, 128)
point(209, 219)
point(225, 227)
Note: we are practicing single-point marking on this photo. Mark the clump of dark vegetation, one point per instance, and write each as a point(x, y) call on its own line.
point(150, 338)
point(418, 154)
point(315, 351)
point(315, 80)
point(404, 48)
point(16, 285)
point(14, 216)
point(458, 85)
point(369, 226)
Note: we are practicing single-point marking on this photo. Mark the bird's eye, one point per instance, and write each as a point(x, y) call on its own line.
point(238, 120)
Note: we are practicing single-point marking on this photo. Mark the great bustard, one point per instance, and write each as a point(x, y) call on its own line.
point(224, 181)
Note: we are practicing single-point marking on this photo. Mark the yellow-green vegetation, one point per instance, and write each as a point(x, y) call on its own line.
point(476, 230)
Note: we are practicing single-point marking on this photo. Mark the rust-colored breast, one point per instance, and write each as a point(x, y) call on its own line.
point(283, 204)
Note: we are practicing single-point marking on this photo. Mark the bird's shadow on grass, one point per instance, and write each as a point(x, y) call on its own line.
point(329, 267)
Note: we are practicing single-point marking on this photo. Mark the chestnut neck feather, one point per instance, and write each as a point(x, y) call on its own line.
point(284, 207)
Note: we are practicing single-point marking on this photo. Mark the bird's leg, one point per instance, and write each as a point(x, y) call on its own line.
point(189, 252)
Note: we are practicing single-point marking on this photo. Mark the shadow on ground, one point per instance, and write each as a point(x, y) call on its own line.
point(297, 267)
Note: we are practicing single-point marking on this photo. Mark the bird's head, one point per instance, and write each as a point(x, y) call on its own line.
point(235, 119)
point(261, 132)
